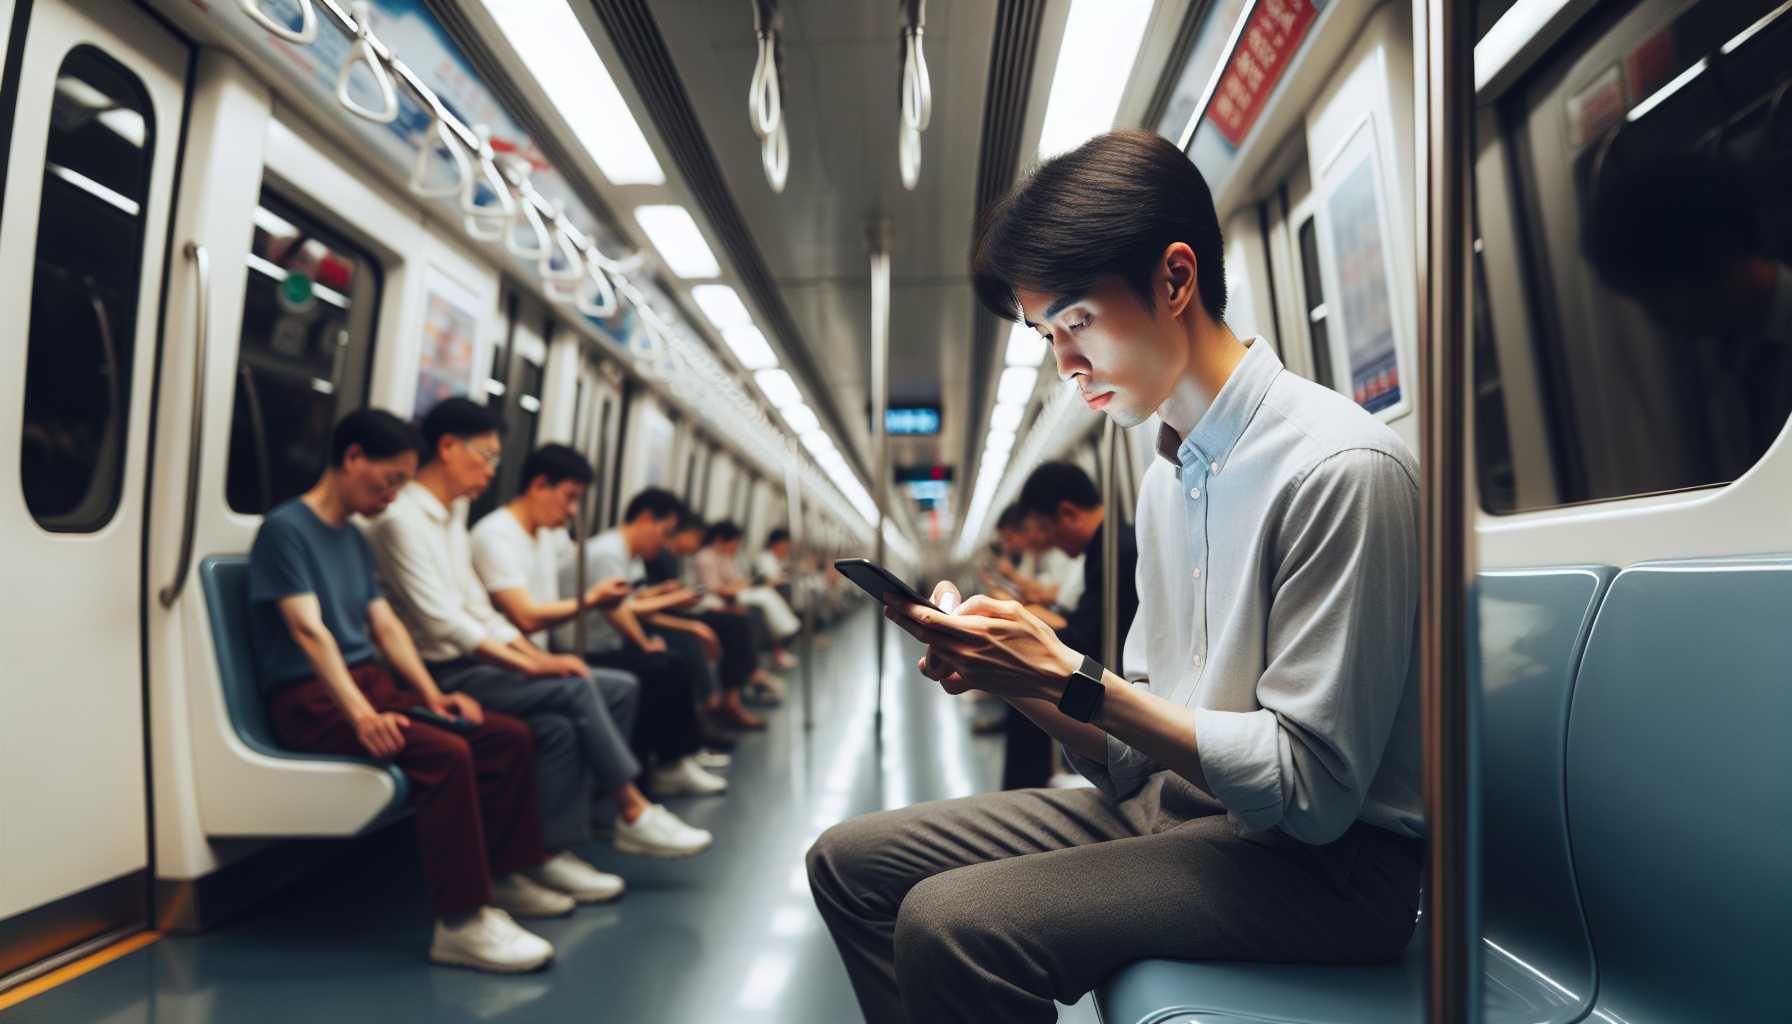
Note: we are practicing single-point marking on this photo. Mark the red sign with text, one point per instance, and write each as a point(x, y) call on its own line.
point(1274, 32)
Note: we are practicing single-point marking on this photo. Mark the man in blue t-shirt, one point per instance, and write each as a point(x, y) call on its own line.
point(318, 620)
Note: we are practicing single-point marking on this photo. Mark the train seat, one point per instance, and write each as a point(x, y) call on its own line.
point(1537, 962)
point(248, 785)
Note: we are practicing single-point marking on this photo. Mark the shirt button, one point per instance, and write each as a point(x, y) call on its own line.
point(1194, 492)
point(1197, 661)
point(1215, 467)
point(1197, 572)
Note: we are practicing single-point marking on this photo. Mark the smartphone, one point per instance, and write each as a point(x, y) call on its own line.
point(458, 725)
point(879, 582)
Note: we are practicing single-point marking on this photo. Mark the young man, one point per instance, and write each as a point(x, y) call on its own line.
point(718, 568)
point(614, 638)
point(425, 558)
point(517, 551)
point(1258, 764)
point(319, 621)
point(729, 634)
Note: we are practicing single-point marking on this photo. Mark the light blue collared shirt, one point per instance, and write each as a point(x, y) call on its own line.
point(1278, 589)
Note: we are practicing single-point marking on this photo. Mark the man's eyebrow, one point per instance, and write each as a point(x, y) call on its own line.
point(1061, 302)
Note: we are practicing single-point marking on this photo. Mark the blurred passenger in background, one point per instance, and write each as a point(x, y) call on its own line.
point(718, 567)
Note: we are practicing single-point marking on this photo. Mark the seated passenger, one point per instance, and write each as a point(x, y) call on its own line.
point(425, 557)
point(318, 621)
point(737, 662)
point(614, 638)
point(516, 552)
point(771, 567)
point(718, 568)
point(1258, 763)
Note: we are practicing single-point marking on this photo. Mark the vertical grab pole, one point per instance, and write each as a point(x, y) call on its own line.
point(1112, 438)
point(1445, 68)
point(799, 554)
point(877, 237)
point(579, 581)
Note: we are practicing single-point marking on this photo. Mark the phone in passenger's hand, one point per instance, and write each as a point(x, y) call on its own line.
point(880, 582)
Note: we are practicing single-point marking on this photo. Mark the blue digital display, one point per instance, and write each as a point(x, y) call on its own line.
point(912, 419)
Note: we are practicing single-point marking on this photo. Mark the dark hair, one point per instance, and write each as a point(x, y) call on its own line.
point(1054, 482)
point(557, 463)
point(379, 434)
point(457, 417)
point(688, 521)
point(654, 501)
point(723, 530)
point(1011, 517)
point(1109, 206)
point(777, 536)
point(1663, 221)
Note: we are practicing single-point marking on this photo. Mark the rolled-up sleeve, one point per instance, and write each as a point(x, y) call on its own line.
point(1339, 640)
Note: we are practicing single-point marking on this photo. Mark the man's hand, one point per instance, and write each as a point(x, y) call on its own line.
point(557, 666)
point(607, 593)
point(382, 733)
point(686, 598)
point(987, 644)
point(655, 645)
point(712, 644)
point(460, 705)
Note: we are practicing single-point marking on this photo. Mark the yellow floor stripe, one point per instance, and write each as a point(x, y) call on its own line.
point(91, 962)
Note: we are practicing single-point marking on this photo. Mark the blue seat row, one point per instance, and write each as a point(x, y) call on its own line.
point(1636, 812)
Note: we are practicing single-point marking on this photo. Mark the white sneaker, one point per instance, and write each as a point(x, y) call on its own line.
point(686, 778)
point(489, 941)
point(567, 874)
point(659, 833)
point(517, 894)
point(711, 760)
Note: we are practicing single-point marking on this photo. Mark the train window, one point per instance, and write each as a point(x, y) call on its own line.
point(1308, 240)
point(84, 294)
point(309, 309)
point(1652, 160)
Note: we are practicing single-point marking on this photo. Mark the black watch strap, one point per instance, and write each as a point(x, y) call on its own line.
point(1083, 691)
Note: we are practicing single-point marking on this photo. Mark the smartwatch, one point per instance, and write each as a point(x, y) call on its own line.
point(1083, 691)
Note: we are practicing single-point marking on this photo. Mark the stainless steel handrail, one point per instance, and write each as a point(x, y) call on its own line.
point(1111, 438)
point(202, 287)
point(1445, 69)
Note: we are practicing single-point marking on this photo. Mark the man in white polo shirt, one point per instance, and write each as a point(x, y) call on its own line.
point(1258, 766)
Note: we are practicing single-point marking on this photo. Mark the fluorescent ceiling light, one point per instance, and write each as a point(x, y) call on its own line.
point(547, 35)
point(1017, 383)
point(779, 387)
point(1025, 346)
point(680, 244)
point(721, 305)
point(999, 441)
point(801, 418)
point(1101, 41)
point(1005, 416)
point(750, 347)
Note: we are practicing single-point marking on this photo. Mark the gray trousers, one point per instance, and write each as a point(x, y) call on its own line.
point(581, 729)
point(991, 907)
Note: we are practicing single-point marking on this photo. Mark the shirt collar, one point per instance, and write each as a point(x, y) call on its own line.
point(1224, 422)
point(426, 502)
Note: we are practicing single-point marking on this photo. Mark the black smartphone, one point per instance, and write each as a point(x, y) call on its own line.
point(459, 725)
point(879, 582)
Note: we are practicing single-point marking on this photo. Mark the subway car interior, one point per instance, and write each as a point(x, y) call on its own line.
point(437, 502)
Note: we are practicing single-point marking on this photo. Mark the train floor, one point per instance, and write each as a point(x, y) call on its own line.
point(729, 935)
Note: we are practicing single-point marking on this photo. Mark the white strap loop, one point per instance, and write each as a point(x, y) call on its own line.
point(364, 53)
point(765, 104)
point(599, 300)
point(484, 222)
point(908, 152)
point(917, 86)
point(307, 33)
point(774, 153)
point(541, 243)
point(571, 264)
point(440, 138)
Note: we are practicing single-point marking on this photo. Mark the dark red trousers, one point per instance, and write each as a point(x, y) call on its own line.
point(475, 796)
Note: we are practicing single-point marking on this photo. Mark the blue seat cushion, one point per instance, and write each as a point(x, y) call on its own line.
point(225, 580)
point(1182, 992)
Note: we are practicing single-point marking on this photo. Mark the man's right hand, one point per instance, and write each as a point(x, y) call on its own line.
point(606, 593)
point(382, 733)
point(946, 597)
point(655, 645)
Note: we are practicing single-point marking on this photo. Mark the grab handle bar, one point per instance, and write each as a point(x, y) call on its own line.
point(202, 286)
point(364, 52)
point(307, 32)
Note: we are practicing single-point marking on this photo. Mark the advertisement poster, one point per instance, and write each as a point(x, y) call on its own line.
point(450, 337)
point(1360, 256)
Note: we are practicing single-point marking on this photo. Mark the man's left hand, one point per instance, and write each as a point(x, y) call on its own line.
point(990, 645)
point(459, 705)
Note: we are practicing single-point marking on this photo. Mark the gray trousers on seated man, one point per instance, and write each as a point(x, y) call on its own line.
point(581, 729)
point(991, 907)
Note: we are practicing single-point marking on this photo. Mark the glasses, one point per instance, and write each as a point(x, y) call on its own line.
point(490, 456)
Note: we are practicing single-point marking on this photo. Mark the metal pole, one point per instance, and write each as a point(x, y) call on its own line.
point(1111, 438)
point(877, 238)
point(799, 552)
point(578, 547)
point(1445, 69)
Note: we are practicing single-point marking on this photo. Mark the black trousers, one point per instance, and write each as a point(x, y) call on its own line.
point(667, 726)
point(739, 656)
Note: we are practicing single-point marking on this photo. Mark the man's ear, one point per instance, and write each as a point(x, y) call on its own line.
point(1176, 278)
point(1067, 511)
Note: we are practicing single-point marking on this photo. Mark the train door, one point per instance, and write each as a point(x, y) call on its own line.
point(89, 183)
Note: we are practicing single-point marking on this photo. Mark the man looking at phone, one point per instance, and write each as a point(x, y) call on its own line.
point(319, 624)
point(1258, 763)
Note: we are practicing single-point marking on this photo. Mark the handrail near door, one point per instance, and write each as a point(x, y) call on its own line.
point(202, 286)
point(1445, 75)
